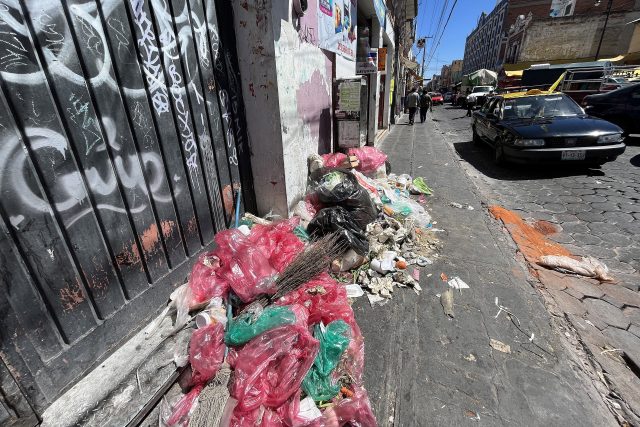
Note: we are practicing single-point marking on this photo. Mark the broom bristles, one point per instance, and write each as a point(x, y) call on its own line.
point(305, 267)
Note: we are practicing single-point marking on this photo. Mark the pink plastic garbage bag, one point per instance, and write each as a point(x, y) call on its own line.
point(206, 352)
point(269, 369)
point(370, 158)
point(203, 282)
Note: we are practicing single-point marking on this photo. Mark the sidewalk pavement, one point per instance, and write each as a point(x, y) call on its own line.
point(593, 211)
point(423, 368)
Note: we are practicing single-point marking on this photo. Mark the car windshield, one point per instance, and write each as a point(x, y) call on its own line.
point(482, 89)
point(617, 79)
point(540, 106)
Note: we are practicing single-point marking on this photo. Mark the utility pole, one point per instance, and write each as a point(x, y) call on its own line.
point(422, 43)
point(606, 21)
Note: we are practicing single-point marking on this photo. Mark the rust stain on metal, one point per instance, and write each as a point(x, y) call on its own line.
point(227, 199)
point(71, 296)
point(192, 225)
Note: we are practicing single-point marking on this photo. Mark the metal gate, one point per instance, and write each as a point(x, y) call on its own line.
point(122, 142)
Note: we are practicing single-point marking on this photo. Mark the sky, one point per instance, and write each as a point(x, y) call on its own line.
point(463, 20)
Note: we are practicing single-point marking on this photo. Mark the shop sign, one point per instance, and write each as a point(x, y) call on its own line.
point(382, 59)
point(370, 66)
point(337, 20)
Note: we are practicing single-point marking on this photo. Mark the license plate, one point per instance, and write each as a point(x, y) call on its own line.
point(573, 155)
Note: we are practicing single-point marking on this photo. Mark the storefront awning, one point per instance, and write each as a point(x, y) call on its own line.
point(409, 63)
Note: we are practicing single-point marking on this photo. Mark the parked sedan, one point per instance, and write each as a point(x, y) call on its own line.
point(540, 126)
point(436, 98)
point(620, 106)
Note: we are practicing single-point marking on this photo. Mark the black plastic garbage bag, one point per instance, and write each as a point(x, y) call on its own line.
point(339, 188)
point(338, 219)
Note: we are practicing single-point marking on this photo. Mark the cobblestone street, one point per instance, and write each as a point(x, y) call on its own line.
point(596, 213)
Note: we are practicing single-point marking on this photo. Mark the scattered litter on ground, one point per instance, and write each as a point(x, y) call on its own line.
point(471, 414)
point(585, 266)
point(354, 291)
point(461, 206)
point(446, 299)
point(457, 283)
point(470, 358)
point(272, 302)
point(500, 346)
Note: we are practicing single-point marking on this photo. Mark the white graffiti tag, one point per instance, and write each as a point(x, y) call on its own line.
point(151, 61)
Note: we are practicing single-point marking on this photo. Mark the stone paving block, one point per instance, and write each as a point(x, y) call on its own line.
point(567, 303)
point(614, 302)
point(606, 313)
point(584, 286)
point(633, 314)
point(622, 294)
point(635, 330)
point(574, 293)
point(551, 279)
point(626, 341)
point(586, 239)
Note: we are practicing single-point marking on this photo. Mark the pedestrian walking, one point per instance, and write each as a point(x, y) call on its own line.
point(469, 104)
point(425, 105)
point(413, 101)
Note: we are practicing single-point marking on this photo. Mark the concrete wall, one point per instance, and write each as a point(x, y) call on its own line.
point(576, 37)
point(287, 84)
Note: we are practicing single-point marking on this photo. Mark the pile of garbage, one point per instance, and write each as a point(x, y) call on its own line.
point(295, 357)
point(389, 233)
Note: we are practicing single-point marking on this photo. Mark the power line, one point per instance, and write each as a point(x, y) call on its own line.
point(435, 34)
point(443, 31)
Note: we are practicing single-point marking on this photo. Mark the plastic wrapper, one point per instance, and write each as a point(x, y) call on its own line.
point(249, 264)
point(206, 352)
point(370, 158)
point(278, 241)
point(420, 186)
point(326, 300)
point(183, 409)
point(269, 369)
point(203, 282)
point(338, 220)
point(340, 188)
point(246, 326)
point(334, 339)
point(305, 211)
point(335, 160)
point(354, 411)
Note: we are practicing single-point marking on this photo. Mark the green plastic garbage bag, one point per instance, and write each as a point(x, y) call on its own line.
point(334, 340)
point(244, 327)
point(422, 186)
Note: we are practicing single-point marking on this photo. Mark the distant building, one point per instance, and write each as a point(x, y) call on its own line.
point(482, 48)
point(445, 74)
point(568, 31)
point(456, 71)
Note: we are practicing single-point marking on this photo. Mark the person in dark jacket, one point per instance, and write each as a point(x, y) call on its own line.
point(425, 105)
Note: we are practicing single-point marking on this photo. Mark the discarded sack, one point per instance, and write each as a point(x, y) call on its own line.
point(586, 266)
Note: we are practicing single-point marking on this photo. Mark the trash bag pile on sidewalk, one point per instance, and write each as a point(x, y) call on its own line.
point(297, 357)
point(388, 231)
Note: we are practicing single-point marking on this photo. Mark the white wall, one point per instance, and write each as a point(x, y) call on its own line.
point(286, 82)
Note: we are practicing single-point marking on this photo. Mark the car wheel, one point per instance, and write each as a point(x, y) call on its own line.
point(475, 137)
point(498, 157)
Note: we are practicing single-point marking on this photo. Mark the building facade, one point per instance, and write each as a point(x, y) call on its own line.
point(566, 31)
point(456, 71)
point(482, 47)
